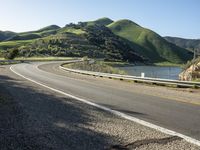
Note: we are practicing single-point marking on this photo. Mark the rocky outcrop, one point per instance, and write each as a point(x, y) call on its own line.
point(191, 73)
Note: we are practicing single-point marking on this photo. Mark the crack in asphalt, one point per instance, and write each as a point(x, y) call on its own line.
point(139, 143)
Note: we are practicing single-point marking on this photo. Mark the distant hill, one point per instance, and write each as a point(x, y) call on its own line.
point(5, 35)
point(156, 48)
point(51, 27)
point(42, 30)
point(184, 43)
point(46, 31)
point(24, 37)
point(102, 21)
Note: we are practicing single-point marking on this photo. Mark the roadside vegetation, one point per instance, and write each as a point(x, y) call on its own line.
point(8, 62)
point(196, 80)
point(117, 63)
point(98, 66)
point(2, 100)
point(4, 61)
point(44, 58)
point(11, 54)
point(168, 64)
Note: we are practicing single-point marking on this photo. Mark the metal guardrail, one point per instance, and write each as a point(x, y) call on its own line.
point(133, 78)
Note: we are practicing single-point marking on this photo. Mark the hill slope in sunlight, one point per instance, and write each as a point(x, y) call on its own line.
point(154, 46)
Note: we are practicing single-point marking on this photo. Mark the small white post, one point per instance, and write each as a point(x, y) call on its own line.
point(142, 74)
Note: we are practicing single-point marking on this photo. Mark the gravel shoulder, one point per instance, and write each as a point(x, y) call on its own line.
point(33, 117)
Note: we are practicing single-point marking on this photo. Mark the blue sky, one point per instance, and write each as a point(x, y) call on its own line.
point(180, 18)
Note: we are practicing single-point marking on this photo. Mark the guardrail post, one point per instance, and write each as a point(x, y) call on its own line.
point(142, 75)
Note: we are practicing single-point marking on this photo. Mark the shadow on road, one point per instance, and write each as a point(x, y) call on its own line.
point(31, 118)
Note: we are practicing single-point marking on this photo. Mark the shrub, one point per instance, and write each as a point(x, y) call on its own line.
point(12, 53)
point(97, 67)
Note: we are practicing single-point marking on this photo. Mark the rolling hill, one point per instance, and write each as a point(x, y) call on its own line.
point(121, 40)
point(95, 41)
point(42, 30)
point(4, 35)
point(102, 21)
point(29, 36)
point(46, 31)
point(184, 43)
point(156, 48)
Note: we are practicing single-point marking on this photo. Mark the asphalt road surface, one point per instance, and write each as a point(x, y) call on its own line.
point(171, 114)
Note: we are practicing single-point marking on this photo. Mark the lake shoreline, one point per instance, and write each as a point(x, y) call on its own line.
point(153, 71)
point(126, 64)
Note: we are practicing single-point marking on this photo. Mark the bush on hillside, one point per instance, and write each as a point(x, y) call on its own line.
point(11, 54)
point(96, 67)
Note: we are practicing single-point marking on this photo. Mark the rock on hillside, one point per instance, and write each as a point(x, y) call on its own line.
point(192, 72)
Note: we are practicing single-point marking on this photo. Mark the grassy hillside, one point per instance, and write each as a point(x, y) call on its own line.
point(75, 41)
point(11, 44)
point(102, 21)
point(42, 30)
point(12, 36)
point(24, 37)
point(5, 35)
point(97, 66)
point(46, 31)
point(48, 28)
point(122, 40)
point(184, 43)
point(78, 31)
point(114, 47)
point(154, 46)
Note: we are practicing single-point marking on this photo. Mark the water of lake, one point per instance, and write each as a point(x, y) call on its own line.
point(153, 71)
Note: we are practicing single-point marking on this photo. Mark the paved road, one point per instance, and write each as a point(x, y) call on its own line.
point(181, 117)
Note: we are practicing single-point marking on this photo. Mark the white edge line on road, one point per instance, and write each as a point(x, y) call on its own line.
point(122, 115)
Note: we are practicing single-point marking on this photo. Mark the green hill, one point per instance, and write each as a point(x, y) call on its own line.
point(74, 41)
point(102, 21)
point(122, 40)
point(48, 28)
point(24, 37)
point(4, 35)
point(42, 30)
point(46, 31)
point(184, 43)
point(156, 48)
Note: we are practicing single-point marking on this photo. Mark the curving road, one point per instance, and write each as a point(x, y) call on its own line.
point(177, 116)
